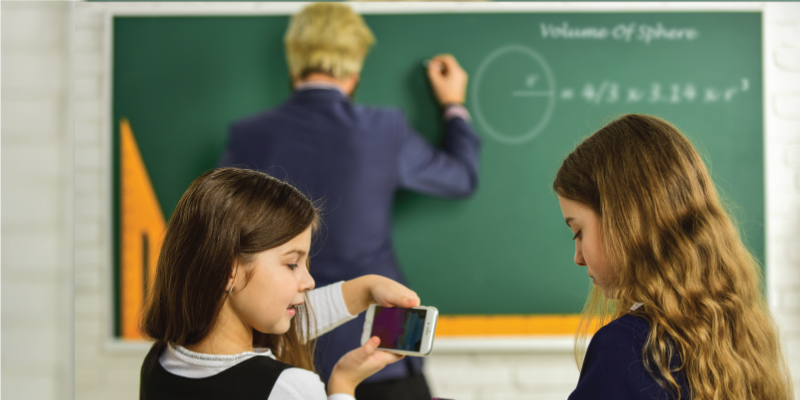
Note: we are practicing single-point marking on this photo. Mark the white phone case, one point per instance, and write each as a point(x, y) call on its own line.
point(428, 332)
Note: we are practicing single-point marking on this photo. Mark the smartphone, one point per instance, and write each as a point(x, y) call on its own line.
point(406, 331)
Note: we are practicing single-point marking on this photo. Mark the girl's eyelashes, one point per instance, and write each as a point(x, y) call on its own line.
point(577, 235)
point(292, 266)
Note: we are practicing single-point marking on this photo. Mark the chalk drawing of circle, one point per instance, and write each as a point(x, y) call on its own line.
point(514, 94)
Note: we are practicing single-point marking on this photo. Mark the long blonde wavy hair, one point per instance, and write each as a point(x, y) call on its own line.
point(674, 248)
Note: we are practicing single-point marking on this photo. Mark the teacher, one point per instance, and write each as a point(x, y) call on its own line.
point(355, 158)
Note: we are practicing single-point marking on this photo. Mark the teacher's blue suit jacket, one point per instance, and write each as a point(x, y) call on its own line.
point(354, 158)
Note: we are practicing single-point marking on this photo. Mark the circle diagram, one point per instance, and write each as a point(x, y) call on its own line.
point(514, 94)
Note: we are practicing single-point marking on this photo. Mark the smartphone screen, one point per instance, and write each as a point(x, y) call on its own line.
point(399, 328)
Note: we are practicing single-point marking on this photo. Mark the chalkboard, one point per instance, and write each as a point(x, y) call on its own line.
point(539, 83)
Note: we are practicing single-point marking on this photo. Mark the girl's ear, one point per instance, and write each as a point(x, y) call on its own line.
point(232, 277)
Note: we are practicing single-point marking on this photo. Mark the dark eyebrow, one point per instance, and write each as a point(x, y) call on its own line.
point(568, 220)
point(299, 252)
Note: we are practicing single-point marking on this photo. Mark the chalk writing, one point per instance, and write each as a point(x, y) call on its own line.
point(529, 81)
point(609, 92)
point(623, 32)
point(564, 31)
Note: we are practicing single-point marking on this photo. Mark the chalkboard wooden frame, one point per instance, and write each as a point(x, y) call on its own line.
point(283, 9)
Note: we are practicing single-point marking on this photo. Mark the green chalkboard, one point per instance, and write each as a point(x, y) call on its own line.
point(539, 82)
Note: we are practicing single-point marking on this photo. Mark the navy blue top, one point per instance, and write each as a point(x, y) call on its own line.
point(354, 158)
point(613, 366)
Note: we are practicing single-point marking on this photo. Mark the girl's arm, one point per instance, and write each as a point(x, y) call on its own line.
point(366, 360)
point(340, 302)
point(359, 293)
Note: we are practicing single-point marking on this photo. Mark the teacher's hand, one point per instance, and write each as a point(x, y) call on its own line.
point(449, 81)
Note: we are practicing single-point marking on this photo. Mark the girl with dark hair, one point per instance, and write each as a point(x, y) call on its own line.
point(231, 304)
point(677, 297)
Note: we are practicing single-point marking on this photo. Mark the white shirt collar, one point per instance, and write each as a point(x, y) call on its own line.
point(215, 360)
point(317, 85)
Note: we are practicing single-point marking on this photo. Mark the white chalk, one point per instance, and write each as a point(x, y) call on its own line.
point(439, 64)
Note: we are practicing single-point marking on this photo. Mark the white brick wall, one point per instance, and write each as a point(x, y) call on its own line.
point(37, 202)
point(102, 369)
point(501, 375)
point(37, 226)
point(782, 150)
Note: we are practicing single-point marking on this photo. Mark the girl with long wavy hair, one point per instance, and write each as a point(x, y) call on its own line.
point(229, 307)
point(678, 301)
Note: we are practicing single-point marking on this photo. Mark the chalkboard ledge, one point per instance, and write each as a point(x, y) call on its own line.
point(505, 344)
point(446, 345)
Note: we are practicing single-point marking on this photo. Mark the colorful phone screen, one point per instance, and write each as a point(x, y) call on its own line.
point(399, 328)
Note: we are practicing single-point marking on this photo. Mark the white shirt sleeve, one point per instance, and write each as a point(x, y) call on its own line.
point(341, 396)
point(301, 384)
point(329, 308)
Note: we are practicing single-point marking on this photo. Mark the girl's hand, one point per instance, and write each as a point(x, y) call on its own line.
point(358, 365)
point(359, 293)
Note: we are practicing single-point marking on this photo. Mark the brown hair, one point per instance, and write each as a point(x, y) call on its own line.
point(327, 37)
point(227, 216)
point(673, 247)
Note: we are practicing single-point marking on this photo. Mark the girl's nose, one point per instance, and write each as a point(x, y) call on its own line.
point(306, 282)
point(579, 256)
